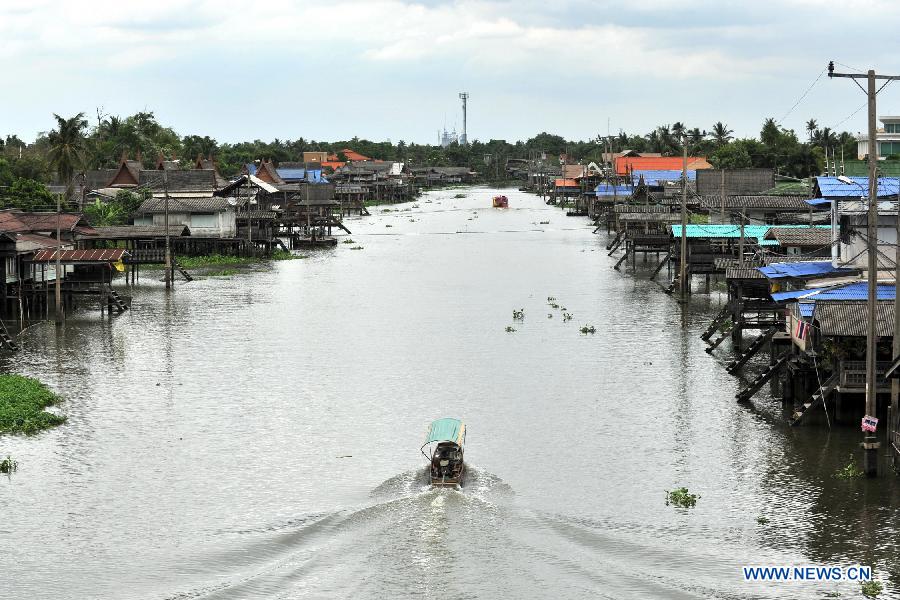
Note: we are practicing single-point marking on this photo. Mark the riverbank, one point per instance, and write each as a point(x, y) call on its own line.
point(224, 264)
point(22, 404)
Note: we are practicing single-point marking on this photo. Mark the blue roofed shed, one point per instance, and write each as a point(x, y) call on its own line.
point(831, 187)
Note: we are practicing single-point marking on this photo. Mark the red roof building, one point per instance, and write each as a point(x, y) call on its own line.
point(625, 164)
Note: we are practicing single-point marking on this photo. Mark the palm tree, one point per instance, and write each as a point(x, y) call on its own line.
point(721, 134)
point(67, 146)
point(678, 129)
point(811, 126)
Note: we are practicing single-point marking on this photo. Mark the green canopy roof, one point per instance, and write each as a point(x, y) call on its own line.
point(446, 430)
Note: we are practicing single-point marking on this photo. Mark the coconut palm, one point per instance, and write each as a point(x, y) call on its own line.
point(678, 129)
point(67, 145)
point(811, 126)
point(721, 134)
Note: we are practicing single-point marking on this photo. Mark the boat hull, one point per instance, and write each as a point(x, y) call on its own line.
point(449, 482)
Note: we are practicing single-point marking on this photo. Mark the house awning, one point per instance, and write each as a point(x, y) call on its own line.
point(108, 255)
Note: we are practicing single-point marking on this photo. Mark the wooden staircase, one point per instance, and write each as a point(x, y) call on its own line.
point(821, 396)
point(751, 350)
point(661, 264)
point(6, 339)
point(187, 276)
point(720, 318)
point(770, 371)
point(115, 300)
point(617, 241)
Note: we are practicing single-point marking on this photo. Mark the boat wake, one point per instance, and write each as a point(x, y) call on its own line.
point(410, 535)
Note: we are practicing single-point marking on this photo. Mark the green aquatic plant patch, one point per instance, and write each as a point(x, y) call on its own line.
point(681, 497)
point(8, 465)
point(22, 404)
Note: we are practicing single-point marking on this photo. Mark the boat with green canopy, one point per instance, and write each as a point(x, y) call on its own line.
point(445, 440)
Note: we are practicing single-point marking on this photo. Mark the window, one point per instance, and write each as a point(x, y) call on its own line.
point(892, 127)
point(889, 148)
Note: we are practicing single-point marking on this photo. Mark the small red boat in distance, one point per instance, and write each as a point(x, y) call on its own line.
point(501, 202)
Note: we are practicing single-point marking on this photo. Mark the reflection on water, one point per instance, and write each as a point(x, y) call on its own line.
point(258, 436)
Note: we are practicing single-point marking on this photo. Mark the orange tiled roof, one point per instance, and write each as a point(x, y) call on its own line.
point(353, 155)
point(565, 183)
point(662, 163)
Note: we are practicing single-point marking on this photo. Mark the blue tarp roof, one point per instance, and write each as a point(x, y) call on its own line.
point(850, 291)
point(855, 291)
point(605, 189)
point(801, 269)
point(291, 173)
point(655, 177)
point(830, 187)
point(819, 202)
point(807, 309)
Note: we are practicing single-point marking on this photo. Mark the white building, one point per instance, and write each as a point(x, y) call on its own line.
point(888, 138)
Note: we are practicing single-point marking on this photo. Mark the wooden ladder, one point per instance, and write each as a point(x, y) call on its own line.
point(821, 396)
point(770, 371)
point(751, 350)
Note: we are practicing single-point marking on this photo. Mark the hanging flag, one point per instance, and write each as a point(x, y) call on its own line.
point(802, 329)
point(119, 265)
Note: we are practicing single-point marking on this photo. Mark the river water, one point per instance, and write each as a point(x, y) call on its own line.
point(258, 436)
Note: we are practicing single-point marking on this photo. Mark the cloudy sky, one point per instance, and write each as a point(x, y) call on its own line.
point(384, 69)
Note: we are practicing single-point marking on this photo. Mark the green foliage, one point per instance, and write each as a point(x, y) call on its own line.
point(348, 241)
point(223, 273)
point(285, 255)
point(212, 260)
point(117, 211)
point(849, 471)
point(731, 156)
point(509, 329)
point(22, 404)
point(871, 589)
point(588, 329)
point(762, 520)
point(519, 315)
point(27, 194)
point(67, 145)
point(681, 497)
point(8, 465)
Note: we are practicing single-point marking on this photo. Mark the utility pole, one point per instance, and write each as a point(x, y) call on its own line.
point(870, 442)
point(722, 192)
point(682, 270)
point(895, 383)
point(741, 241)
point(59, 310)
point(168, 259)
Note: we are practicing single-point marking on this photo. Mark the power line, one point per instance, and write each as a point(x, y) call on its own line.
point(802, 96)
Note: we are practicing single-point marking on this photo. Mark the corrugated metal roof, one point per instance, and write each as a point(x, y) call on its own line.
point(815, 268)
point(830, 187)
point(712, 232)
point(800, 236)
point(185, 205)
point(850, 318)
point(661, 163)
point(127, 232)
point(854, 291)
point(81, 256)
point(655, 177)
point(565, 183)
point(775, 202)
point(605, 189)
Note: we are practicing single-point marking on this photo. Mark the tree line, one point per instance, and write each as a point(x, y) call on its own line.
point(75, 144)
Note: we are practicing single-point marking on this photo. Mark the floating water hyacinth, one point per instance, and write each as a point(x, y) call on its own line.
point(519, 315)
point(588, 329)
point(509, 329)
point(681, 497)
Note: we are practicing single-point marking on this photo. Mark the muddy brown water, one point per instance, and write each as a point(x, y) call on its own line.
point(257, 436)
